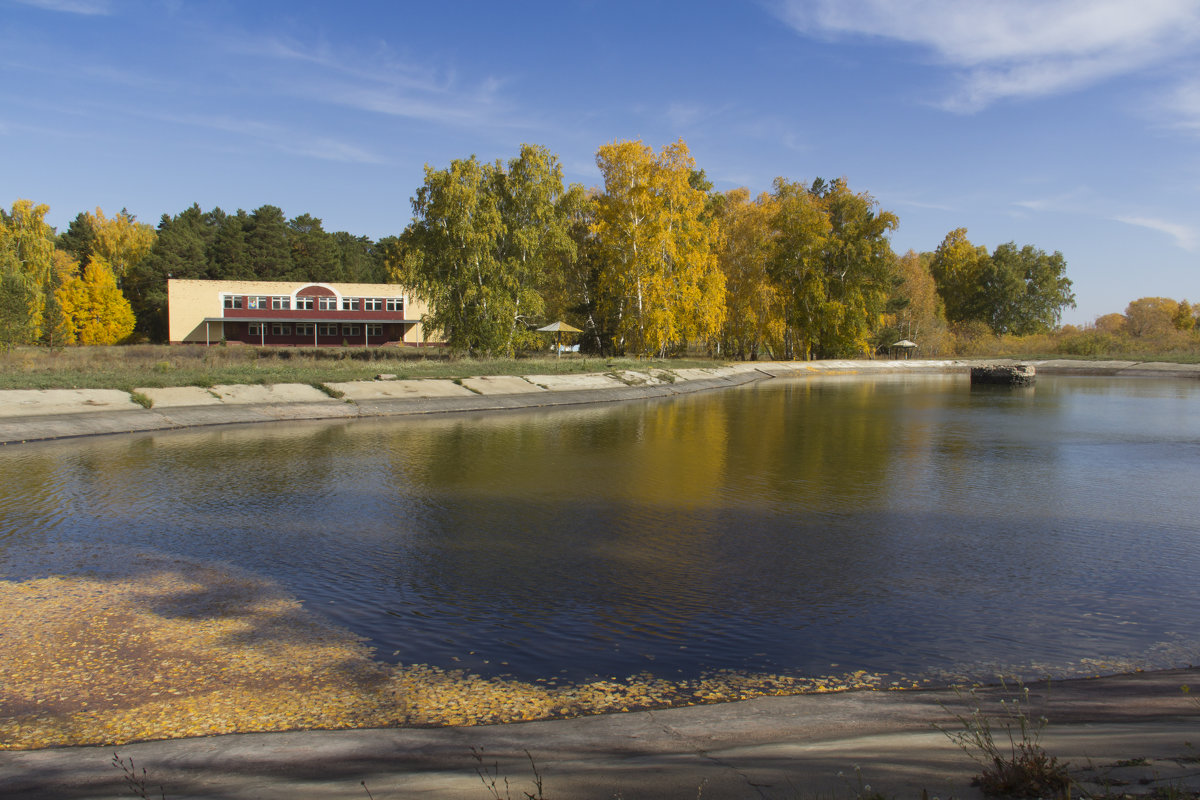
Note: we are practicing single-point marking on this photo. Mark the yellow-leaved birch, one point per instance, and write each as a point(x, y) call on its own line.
point(755, 317)
point(659, 280)
point(26, 258)
point(121, 241)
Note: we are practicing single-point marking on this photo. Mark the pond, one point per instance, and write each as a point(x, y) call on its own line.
point(902, 525)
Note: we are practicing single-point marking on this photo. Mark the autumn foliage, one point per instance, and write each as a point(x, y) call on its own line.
point(653, 262)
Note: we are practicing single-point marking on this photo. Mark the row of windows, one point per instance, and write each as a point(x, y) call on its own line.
point(306, 329)
point(321, 303)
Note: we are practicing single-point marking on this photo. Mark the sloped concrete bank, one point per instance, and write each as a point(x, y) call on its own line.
point(28, 415)
point(1123, 735)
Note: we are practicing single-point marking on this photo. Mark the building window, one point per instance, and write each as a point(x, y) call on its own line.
point(327, 303)
point(395, 304)
point(233, 301)
point(350, 330)
point(349, 304)
point(279, 303)
point(258, 302)
point(373, 304)
point(374, 330)
point(305, 329)
point(254, 329)
point(279, 329)
point(327, 329)
point(304, 303)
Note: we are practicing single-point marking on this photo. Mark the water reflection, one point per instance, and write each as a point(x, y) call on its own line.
point(897, 524)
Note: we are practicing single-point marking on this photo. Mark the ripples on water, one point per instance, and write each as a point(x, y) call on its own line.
point(906, 525)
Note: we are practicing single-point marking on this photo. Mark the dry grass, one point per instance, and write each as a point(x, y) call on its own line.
point(150, 366)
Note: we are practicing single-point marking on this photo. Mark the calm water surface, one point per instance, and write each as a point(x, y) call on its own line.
point(905, 525)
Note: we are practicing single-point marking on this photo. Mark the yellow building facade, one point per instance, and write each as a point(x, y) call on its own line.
point(296, 314)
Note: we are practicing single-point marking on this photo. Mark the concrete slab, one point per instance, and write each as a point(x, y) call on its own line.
point(806, 746)
point(271, 393)
point(573, 383)
point(14, 429)
point(631, 377)
point(175, 396)
point(399, 390)
point(1167, 370)
point(694, 374)
point(39, 402)
point(500, 384)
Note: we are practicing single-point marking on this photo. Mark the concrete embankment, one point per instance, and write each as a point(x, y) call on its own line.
point(35, 414)
point(28, 415)
point(1126, 735)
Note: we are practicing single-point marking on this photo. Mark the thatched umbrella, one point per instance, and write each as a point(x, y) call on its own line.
point(557, 329)
point(905, 345)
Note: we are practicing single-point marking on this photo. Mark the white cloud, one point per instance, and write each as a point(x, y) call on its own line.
point(1084, 202)
point(284, 139)
point(379, 83)
point(1185, 236)
point(85, 7)
point(1015, 48)
point(1183, 105)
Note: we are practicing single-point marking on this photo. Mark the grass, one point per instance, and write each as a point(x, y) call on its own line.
point(153, 366)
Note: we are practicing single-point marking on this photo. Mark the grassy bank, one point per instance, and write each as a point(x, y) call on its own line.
point(138, 366)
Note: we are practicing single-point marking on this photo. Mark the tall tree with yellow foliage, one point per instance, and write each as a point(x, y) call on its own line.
point(755, 316)
point(26, 259)
point(121, 241)
point(835, 262)
point(94, 309)
point(659, 279)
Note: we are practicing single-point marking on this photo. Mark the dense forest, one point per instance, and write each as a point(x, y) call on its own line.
point(651, 263)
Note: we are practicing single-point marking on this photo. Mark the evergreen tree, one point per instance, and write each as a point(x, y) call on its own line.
point(268, 252)
point(179, 251)
point(314, 253)
point(229, 252)
point(77, 240)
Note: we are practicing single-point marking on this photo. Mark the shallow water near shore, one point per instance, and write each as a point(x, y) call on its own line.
point(907, 527)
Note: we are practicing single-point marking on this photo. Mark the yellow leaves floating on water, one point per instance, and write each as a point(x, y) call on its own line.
point(173, 648)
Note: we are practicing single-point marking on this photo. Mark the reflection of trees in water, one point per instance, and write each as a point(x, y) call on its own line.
point(878, 517)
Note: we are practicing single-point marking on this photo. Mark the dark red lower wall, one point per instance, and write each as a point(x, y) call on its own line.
point(239, 332)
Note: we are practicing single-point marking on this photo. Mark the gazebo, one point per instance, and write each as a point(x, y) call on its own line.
point(557, 329)
point(905, 346)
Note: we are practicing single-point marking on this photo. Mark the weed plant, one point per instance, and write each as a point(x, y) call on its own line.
point(1007, 746)
point(489, 774)
point(135, 781)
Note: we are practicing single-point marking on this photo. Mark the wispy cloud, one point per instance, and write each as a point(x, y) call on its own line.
point(89, 8)
point(278, 137)
point(1182, 106)
point(1085, 203)
point(1185, 236)
point(1016, 48)
point(380, 83)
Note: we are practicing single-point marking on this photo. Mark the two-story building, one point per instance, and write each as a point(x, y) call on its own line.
point(299, 314)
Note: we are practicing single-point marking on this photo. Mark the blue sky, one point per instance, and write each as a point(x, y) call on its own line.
point(1071, 125)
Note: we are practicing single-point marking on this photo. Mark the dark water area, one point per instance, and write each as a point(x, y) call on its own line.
point(908, 525)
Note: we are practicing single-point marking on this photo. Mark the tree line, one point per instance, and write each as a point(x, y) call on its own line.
point(651, 262)
point(655, 260)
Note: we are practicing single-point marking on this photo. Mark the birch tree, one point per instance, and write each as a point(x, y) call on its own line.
point(483, 240)
point(26, 267)
point(755, 318)
point(94, 308)
point(660, 281)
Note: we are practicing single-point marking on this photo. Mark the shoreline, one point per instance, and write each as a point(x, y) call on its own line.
point(771, 745)
point(31, 415)
point(1132, 733)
